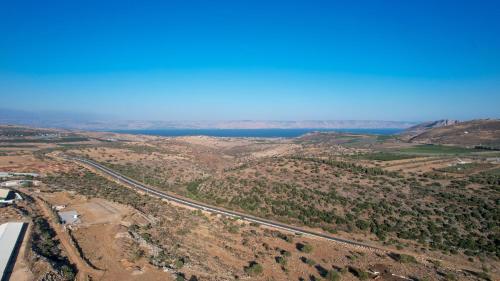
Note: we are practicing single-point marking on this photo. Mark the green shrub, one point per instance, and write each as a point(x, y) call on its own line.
point(310, 262)
point(68, 273)
point(407, 259)
point(333, 275)
point(306, 248)
point(179, 263)
point(450, 277)
point(253, 269)
point(281, 260)
point(363, 225)
point(361, 274)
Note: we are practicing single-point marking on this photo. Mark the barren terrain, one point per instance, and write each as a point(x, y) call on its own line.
point(432, 211)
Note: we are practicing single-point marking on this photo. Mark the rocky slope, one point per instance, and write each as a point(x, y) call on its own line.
point(485, 132)
point(424, 127)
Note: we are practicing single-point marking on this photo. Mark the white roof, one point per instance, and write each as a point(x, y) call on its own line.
point(9, 236)
point(10, 174)
point(69, 217)
point(4, 192)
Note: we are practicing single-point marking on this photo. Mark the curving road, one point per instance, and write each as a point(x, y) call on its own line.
point(204, 207)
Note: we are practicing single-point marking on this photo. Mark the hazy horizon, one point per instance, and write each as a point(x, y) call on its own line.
point(68, 120)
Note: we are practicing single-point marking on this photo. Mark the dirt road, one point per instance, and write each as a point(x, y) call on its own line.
point(84, 270)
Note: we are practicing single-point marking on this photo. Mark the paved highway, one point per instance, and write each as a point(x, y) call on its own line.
point(204, 207)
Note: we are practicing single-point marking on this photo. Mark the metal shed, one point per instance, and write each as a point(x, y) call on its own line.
point(69, 217)
point(10, 237)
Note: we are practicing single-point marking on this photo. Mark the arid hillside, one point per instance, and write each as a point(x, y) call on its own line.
point(471, 133)
point(429, 211)
point(426, 126)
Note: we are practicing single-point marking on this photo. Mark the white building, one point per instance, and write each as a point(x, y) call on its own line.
point(11, 235)
point(16, 183)
point(10, 174)
point(69, 217)
point(8, 196)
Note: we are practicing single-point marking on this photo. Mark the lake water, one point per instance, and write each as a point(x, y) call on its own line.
point(254, 133)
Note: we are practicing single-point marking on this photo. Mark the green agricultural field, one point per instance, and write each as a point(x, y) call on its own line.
point(384, 156)
point(465, 168)
point(439, 149)
point(17, 146)
point(495, 172)
point(382, 138)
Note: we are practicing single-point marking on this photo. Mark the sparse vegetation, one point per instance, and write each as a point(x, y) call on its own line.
point(439, 149)
point(368, 199)
point(253, 269)
point(44, 243)
point(383, 156)
point(306, 248)
point(425, 205)
point(403, 258)
point(361, 274)
point(333, 275)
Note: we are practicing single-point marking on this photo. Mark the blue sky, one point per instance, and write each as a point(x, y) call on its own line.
point(265, 60)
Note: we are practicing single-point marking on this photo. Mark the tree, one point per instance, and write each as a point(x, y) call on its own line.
point(67, 272)
point(281, 260)
point(179, 263)
point(361, 224)
point(333, 275)
point(406, 259)
point(253, 269)
point(361, 274)
point(306, 248)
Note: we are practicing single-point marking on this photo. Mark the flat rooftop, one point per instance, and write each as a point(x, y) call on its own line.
point(69, 217)
point(4, 193)
point(9, 238)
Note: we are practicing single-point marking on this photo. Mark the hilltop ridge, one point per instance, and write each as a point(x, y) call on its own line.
point(424, 127)
point(480, 132)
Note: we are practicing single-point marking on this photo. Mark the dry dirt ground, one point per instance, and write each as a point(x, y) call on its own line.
point(103, 237)
point(212, 247)
point(216, 253)
point(485, 132)
point(22, 161)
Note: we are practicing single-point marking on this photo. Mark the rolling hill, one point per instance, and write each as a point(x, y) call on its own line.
point(483, 132)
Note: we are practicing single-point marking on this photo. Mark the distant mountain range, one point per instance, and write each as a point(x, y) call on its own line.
point(418, 129)
point(92, 122)
point(483, 132)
